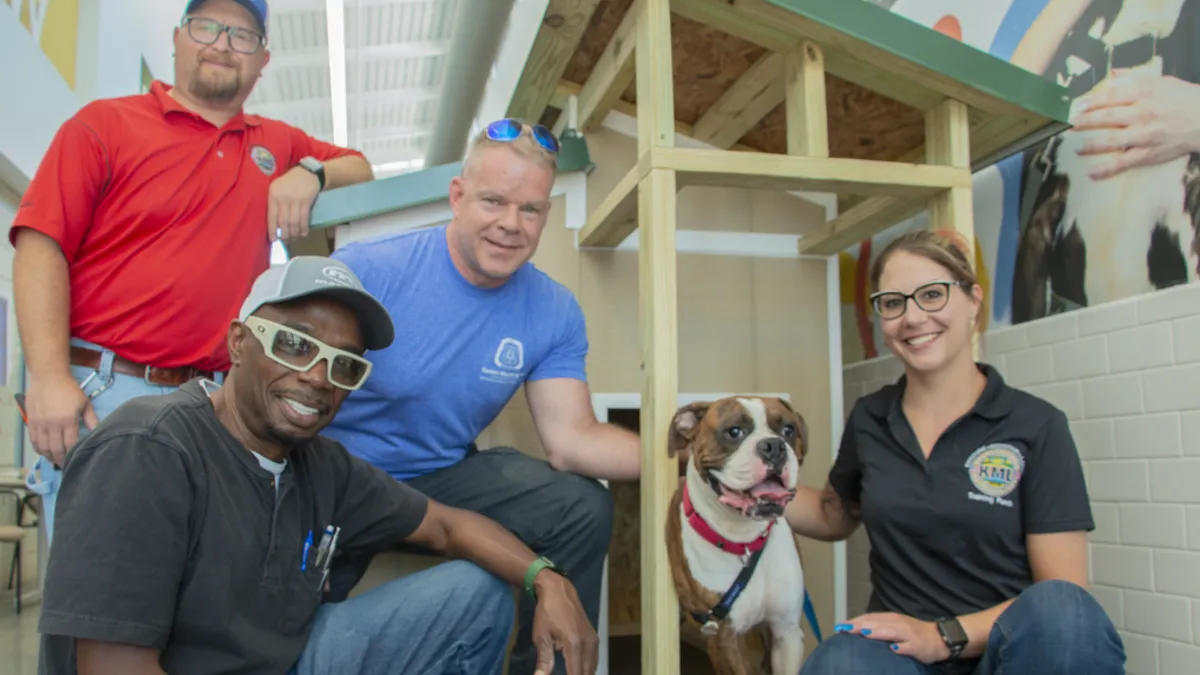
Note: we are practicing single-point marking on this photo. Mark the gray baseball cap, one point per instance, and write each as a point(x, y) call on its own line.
point(309, 276)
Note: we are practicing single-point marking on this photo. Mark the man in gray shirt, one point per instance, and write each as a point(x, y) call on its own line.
point(196, 529)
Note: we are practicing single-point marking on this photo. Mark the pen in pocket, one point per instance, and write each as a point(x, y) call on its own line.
point(304, 555)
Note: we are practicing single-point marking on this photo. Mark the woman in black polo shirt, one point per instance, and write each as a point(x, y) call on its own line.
point(972, 495)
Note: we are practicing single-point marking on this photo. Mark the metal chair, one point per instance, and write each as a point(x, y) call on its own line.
point(15, 534)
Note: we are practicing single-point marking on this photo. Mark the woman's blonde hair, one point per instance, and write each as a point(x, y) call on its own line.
point(946, 248)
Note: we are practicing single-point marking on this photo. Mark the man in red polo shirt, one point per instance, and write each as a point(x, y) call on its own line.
point(145, 225)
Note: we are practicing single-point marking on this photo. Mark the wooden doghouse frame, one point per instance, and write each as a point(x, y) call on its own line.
point(916, 112)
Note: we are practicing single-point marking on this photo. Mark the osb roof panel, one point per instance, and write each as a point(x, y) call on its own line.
point(707, 61)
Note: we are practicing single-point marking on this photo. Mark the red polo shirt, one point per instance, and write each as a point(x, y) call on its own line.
point(163, 220)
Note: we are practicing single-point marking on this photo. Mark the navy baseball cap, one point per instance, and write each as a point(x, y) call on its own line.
point(257, 9)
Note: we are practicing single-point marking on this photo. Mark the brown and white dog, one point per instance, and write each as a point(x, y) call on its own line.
point(726, 524)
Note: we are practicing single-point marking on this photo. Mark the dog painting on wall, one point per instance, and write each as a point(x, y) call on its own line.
point(1090, 240)
point(734, 561)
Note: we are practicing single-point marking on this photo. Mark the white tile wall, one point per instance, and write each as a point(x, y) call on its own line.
point(1127, 375)
point(858, 380)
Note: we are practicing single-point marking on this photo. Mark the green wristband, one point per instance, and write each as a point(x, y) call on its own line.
point(537, 566)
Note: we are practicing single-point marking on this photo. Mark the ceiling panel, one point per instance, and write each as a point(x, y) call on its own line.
point(395, 57)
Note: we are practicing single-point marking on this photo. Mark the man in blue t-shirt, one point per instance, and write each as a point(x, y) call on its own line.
point(475, 320)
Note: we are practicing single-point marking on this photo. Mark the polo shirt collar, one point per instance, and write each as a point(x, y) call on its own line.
point(160, 92)
point(995, 402)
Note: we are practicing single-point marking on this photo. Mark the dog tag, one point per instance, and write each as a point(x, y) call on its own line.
point(709, 628)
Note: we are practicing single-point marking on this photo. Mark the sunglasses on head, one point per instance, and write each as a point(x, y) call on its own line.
point(508, 130)
point(293, 349)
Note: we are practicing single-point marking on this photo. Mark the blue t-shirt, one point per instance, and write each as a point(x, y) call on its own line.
point(460, 352)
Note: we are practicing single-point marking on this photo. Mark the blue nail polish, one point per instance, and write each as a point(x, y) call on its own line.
point(843, 627)
point(895, 648)
point(865, 632)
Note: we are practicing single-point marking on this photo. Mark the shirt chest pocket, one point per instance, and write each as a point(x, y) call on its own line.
point(302, 595)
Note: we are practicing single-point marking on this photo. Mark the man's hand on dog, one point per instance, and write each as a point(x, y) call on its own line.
point(908, 636)
point(560, 624)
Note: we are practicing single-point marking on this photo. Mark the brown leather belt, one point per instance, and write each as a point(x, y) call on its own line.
point(163, 377)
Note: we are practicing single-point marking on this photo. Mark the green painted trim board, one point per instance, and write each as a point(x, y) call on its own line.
point(918, 44)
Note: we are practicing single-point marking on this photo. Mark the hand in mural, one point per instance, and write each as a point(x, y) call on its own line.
point(1138, 119)
point(908, 636)
point(289, 204)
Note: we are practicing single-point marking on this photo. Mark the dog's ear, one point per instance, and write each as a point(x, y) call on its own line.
point(801, 428)
point(684, 425)
point(802, 432)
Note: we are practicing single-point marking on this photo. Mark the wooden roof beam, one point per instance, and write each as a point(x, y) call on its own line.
point(562, 28)
point(743, 105)
point(612, 74)
point(949, 137)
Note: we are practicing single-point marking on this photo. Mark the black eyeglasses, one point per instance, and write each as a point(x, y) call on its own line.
point(207, 31)
point(931, 297)
point(510, 130)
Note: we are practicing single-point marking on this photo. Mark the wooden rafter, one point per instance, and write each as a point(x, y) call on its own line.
point(613, 74)
point(562, 28)
point(744, 104)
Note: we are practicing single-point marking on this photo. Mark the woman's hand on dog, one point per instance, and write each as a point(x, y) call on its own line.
point(908, 636)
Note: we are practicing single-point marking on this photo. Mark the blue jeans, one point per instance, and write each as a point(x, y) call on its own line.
point(107, 390)
point(451, 619)
point(1053, 628)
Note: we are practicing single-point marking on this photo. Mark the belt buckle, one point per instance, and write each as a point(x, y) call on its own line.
point(146, 375)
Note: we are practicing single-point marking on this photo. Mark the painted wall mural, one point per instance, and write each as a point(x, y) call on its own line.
point(54, 25)
point(1056, 229)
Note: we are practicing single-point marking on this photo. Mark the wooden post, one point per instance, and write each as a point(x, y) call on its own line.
point(659, 323)
point(948, 142)
point(804, 96)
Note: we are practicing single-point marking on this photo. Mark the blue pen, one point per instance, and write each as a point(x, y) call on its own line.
point(304, 556)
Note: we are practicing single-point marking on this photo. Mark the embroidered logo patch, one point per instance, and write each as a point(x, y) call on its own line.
point(995, 471)
point(338, 275)
point(263, 159)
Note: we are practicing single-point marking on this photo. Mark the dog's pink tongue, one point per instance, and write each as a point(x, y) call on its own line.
point(769, 489)
point(737, 501)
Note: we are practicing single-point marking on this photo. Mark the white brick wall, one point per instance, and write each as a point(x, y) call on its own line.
point(858, 380)
point(1127, 375)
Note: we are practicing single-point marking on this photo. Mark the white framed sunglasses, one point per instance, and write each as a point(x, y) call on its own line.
point(293, 349)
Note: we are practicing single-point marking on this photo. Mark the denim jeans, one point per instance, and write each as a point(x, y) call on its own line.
point(563, 516)
point(107, 390)
point(1053, 628)
point(451, 619)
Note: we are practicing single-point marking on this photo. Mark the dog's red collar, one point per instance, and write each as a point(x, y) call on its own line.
point(711, 536)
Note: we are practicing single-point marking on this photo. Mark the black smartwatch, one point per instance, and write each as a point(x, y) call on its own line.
point(314, 165)
point(953, 635)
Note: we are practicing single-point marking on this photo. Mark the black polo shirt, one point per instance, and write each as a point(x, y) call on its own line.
point(171, 535)
point(948, 533)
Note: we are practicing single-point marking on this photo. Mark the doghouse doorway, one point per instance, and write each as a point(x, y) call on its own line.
point(622, 614)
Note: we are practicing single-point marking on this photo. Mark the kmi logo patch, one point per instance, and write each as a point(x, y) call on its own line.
point(995, 470)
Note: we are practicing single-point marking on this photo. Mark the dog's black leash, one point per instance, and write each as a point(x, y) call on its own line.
point(710, 619)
